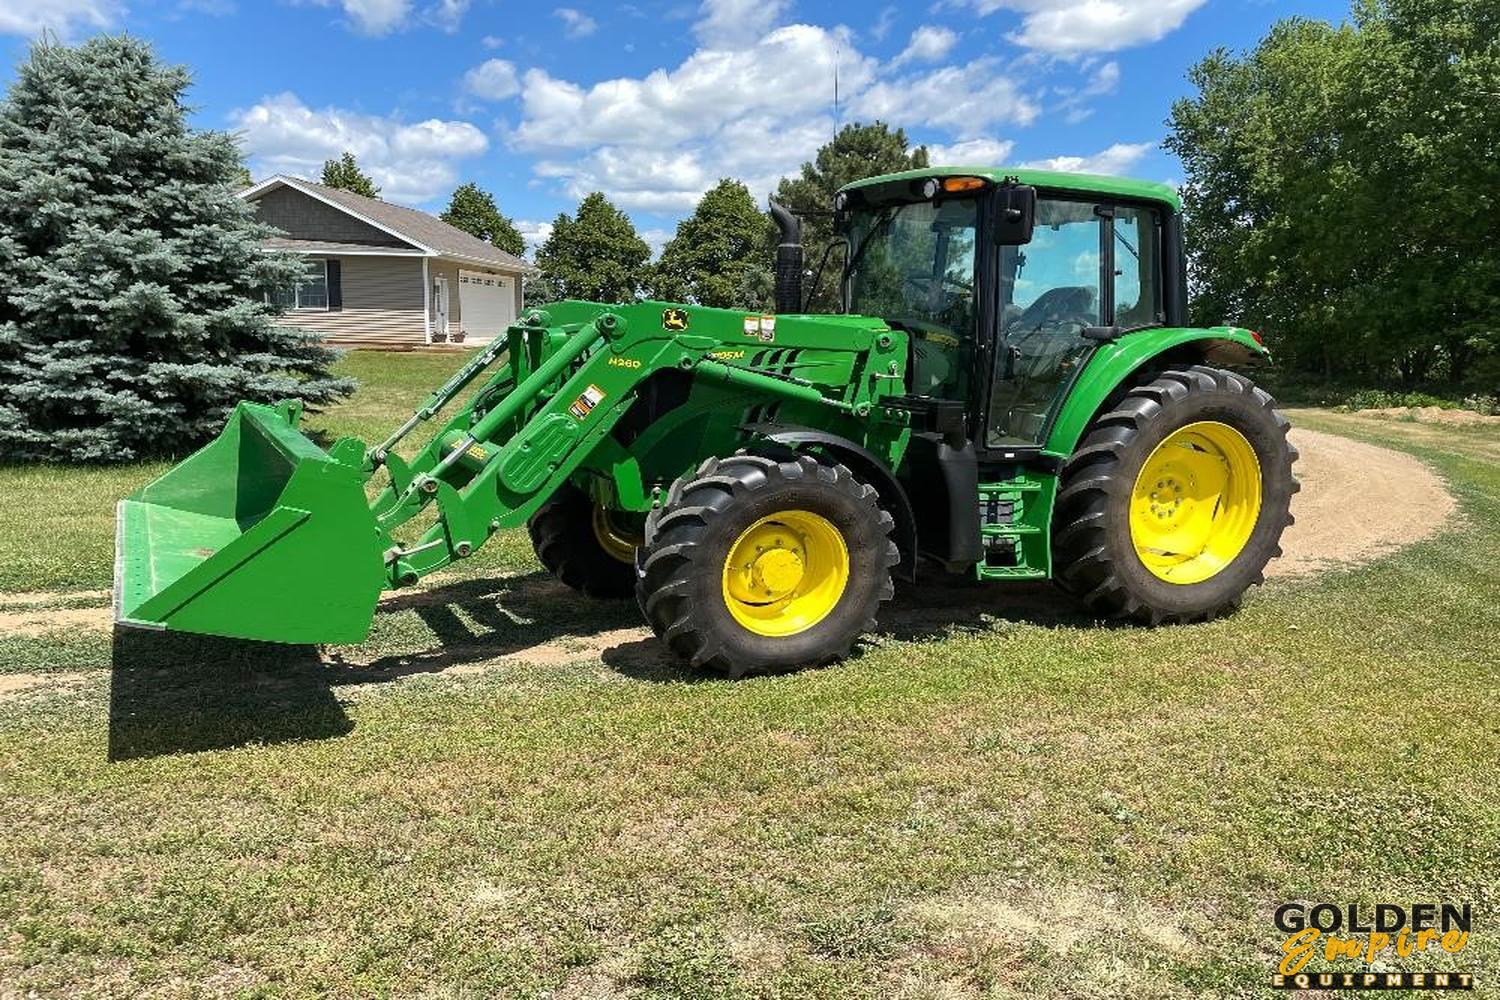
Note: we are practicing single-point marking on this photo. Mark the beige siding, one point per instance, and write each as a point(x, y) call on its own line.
point(305, 218)
point(383, 303)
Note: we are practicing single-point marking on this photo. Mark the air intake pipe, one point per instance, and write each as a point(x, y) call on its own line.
point(788, 260)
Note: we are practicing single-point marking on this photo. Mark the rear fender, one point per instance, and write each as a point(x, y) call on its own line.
point(1114, 366)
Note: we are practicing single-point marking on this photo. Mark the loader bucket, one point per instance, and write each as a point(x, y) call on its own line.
point(259, 535)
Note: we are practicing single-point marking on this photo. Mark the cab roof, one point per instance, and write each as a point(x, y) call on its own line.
point(1050, 180)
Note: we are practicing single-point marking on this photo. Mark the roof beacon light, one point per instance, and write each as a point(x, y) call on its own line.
point(956, 185)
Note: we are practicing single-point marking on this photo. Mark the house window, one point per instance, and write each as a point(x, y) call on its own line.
point(309, 293)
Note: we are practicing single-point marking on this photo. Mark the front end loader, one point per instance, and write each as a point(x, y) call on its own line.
point(1011, 392)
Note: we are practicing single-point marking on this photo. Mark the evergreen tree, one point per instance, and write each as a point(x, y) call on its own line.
point(597, 256)
point(344, 174)
point(709, 260)
point(473, 210)
point(856, 152)
point(132, 279)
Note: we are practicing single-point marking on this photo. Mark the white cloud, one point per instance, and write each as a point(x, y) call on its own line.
point(1075, 26)
point(965, 100)
point(705, 95)
point(448, 14)
point(411, 162)
point(381, 17)
point(534, 233)
point(1114, 161)
point(493, 79)
point(929, 43)
point(971, 153)
point(376, 17)
point(884, 23)
point(656, 143)
point(32, 17)
point(734, 23)
point(576, 24)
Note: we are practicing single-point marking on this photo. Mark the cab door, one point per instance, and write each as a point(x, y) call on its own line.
point(1089, 265)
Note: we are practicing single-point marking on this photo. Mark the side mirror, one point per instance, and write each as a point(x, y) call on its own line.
point(1015, 214)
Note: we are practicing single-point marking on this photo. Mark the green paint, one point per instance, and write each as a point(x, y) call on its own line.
point(1046, 180)
point(263, 535)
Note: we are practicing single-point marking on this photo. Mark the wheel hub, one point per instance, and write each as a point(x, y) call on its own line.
point(777, 571)
point(785, 573)
point(1195, 502)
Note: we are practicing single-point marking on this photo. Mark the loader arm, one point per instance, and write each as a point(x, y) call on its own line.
point(566, 382)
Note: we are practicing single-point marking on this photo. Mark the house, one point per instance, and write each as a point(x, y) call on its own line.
point(381, 275)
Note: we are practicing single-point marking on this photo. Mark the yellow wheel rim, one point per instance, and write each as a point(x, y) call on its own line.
point(1195, 502)
point(617, 543)
point(785, 573)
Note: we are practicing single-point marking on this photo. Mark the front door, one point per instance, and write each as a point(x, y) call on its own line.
point(1087, 265)
point(440, 307)
point(1050, 291)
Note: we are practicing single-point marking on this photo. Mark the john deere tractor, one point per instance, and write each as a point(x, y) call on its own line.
point(1009, 393)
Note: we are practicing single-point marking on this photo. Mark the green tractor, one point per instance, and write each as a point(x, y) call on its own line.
point(1010, 393)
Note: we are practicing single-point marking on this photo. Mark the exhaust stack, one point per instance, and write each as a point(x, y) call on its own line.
point(788, 260)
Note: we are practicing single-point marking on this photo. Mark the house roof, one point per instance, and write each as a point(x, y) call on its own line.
point(425, 232)
point(334, 247)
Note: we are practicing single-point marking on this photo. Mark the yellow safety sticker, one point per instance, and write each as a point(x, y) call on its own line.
point(586, 401)
point(762, 328)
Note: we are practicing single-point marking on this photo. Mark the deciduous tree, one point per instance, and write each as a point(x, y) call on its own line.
point(856, 152)
point(345, 174)
point(596, 255)
point(716, 249)
point(473, 210)
point(1342, 191)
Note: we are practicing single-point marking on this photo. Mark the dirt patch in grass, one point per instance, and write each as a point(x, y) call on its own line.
point(43, 620)
point(12, 685)
point(1432, 415)
point(45, 598)
point(1358, 502)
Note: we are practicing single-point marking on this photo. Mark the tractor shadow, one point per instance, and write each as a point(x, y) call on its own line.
point(537, 620)
point(178, 693)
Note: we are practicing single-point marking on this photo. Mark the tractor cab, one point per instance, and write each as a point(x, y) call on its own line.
point(1005, 283)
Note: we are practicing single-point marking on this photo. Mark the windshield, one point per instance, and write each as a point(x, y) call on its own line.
point(915, 262)
point(912, 265)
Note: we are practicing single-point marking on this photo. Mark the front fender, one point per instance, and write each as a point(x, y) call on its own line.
point(1114, 364)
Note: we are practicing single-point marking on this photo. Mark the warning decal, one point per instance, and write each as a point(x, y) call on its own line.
point(585, 403)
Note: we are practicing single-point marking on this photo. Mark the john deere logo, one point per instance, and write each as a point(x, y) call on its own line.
point(674, 319)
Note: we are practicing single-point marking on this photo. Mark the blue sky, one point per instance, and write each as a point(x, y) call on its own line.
point(652, 101)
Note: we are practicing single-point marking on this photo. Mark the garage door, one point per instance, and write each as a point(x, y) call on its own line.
point(486, 302)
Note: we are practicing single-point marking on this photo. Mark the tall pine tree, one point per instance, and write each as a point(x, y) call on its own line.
point(132, 279)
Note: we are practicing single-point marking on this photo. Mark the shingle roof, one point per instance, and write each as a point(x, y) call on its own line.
point(411, 224)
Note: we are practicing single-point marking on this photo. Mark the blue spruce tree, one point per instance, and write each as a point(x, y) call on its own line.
point(133, 311)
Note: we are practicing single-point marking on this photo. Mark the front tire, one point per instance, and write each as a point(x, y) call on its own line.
point(756, 564)
point(1176, 499)
point(578, 543)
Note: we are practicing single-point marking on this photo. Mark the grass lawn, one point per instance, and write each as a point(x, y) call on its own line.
point(994, 799)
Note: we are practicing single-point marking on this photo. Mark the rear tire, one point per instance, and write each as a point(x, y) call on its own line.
point(567, 539)
point(759, 564)
point(1123, 497)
